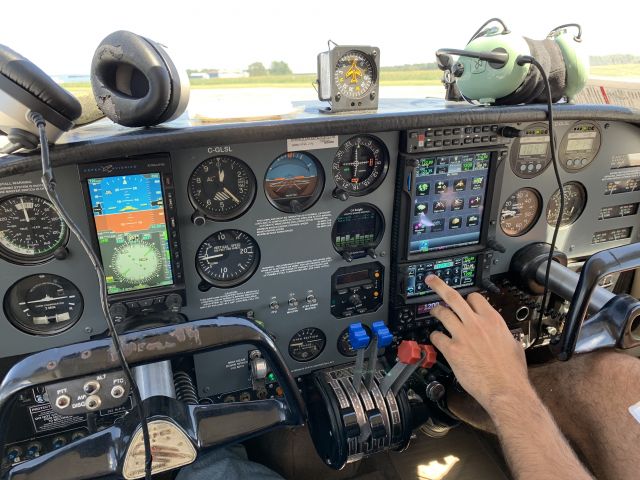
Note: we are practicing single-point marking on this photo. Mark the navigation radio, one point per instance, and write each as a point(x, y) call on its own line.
point(132, 213)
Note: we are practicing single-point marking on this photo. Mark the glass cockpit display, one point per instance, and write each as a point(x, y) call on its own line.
point(448, 200)
point(131, 230)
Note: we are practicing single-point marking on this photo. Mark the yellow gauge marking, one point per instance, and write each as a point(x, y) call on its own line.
point(354, 72)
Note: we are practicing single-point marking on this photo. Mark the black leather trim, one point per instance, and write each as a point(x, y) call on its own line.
point(34, 104)
point(29, 77)
point(166, 139)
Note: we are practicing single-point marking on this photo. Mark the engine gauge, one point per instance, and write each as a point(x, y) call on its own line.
point(30, 229)
point(344, 346)
point(227, 258)
point(355, 74)
point(222, 187)
point(520, 212)
point(43, 304)
point(575, 199)
point(358, 229)
point(307, 344)
point(579, 146)
point(294, 182)
point(360, 165)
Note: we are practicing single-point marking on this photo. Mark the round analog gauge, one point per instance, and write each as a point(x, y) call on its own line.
point(227, 258)
point(136, 262)
point(222, 187)
point(307, 344)
point(344, 346)
point(360, 165)
point(30, 229)
point(575, 199)
point(520, 212)
point(355, 74)
point(579, 146)
point(43, 304)
point(358, 228)
point(294, 182)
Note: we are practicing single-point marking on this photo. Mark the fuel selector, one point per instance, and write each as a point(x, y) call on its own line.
point(357, 289)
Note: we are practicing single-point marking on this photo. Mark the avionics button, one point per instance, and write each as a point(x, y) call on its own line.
point(447, 131)
point(476, 140)
point(485, 128)
point(494, 138)
point(146, 302)
point(457, 131)
point(132, 305)
point(447, 143)
point(456, 141)
point(468, 129)
point(477, 129)
point(438, 143)
point(158, 300)
point(437, 133)
point(467, 140)
point(485, 139)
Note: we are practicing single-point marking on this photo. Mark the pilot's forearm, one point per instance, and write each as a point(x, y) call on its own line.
point(532, 443)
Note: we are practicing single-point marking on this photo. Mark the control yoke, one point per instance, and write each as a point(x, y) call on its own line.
point(615, 320)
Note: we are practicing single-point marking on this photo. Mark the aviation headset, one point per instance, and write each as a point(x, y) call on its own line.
point(134, 83)
point(24, 88)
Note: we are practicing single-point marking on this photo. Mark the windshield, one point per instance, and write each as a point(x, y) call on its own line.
point(254, 58)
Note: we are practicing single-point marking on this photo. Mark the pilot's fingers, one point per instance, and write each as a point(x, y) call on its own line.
point(449, 320)
point(441, 342)
point(450, 297)
point(480, 305)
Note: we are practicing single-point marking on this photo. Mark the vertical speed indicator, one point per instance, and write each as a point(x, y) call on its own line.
point(360, 165)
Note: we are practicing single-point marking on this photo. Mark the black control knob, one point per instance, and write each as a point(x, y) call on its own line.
point(355, 300)
point(493, 245)
point(489, 285)
point(413, 162)
point(435, 391)
point(118, 311)
point(173, 302)
point(340, 194)
point(510, 132)
point(61, 253)
point(372, 253)
point(347, 256)
point(198, 219)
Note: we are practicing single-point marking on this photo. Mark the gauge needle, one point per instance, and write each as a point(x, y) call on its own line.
point(211, 257)
point(233, 197)
point(220, 175)
point(24, 210)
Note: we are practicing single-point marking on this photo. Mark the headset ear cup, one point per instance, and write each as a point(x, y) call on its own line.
point(532, 89)
point(134, 82)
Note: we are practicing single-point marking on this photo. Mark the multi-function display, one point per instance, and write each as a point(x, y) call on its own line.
point(448, 201)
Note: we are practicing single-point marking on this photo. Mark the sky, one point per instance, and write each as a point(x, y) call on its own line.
point(61, 36)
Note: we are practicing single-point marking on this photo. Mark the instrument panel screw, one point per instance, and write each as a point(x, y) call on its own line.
point(88, 330)
point(206, 389)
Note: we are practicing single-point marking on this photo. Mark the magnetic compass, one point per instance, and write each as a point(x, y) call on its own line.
point(348, 77)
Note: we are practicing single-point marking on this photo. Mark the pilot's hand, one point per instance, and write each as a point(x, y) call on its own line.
point(483, 354)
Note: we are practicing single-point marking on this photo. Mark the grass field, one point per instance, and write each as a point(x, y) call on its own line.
point(390, 78)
